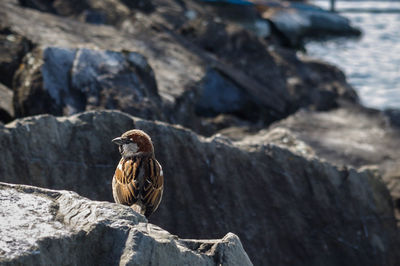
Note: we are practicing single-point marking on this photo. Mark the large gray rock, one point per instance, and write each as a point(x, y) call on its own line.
point(352, 135)
point(48, 227)
point(74, 80)
point(287, 208)
point(176, 68)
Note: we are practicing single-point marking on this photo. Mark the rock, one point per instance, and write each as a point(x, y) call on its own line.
point(272, 82)
point(111, 12)
point(12, 48)
point(56, 170)
point(104, 12)
point(394, 116)
point(41, 5)
point(287, 209)
point(299, 20)
point(142, 5)
point(280, 137)
point(276, 80)
point(75, 80)
point(6, 106)
point(231, 125)
point(250, 66)
point(220, 95)
point(351, 135)
point(59, 227)
point(330, 82)
point(175, 14)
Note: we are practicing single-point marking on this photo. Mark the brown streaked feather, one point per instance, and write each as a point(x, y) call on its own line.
point(154, 194)
point(139, 181)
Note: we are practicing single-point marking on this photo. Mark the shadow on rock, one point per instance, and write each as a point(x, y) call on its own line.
point(287, 208)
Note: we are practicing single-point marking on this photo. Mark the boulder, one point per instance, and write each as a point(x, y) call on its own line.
point(13, 47)
point(287, 208)
point(394, 116)
point(74, 80)
point(90, 11)
point(6, 106)
point(49, 227)
point(352, 135)
point(271, 82)
point(220, 95)
point(296, 21)
point(277, 81)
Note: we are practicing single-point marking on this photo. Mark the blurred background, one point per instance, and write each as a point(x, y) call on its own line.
point(370, 62)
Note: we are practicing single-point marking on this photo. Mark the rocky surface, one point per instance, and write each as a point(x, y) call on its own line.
point(394, 117)
point(49, 227)
point(13, 47)
point(67, 81)
point(271, 82)
point(296, 21)
point(316, 213)
point(352, 135)
point(90, 11)
point(6, 106)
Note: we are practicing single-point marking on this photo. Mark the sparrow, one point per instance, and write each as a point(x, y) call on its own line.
point(138, 181)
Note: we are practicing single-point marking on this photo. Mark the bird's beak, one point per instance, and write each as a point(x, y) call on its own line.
point(119, 141)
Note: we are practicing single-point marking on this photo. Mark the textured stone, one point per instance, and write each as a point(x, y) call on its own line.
point(220, 95)
point(275, 80)
point(6, 106)
point(12, 49)
point(75, 80)
point(182, 53)
point(48, 227)
point(90, 11)
point(352, 135)
point(287, 208)
point(299, 20)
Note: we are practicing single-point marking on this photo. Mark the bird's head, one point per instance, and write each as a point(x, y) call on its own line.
point(133, 143)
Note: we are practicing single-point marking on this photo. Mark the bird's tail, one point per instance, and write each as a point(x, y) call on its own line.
point(139, 208)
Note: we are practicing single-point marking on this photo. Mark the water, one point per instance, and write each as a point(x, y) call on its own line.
point(371, 63)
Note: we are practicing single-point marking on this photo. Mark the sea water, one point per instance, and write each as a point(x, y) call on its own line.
point(372, 62)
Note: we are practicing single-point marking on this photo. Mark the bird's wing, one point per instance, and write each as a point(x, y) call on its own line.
point(153, 186)
point(126, 187)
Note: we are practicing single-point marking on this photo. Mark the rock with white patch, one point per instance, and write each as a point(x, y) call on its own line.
point(62, 80)
point(48, 227)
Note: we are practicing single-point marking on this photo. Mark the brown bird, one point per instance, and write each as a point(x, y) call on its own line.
point(138, 180)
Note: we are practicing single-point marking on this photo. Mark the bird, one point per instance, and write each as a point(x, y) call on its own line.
point(138, 180)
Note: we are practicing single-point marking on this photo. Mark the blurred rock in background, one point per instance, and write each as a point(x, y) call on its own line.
point(186, 58)
point(6, 106)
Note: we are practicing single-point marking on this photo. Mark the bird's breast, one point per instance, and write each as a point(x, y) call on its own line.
point(128, 170)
